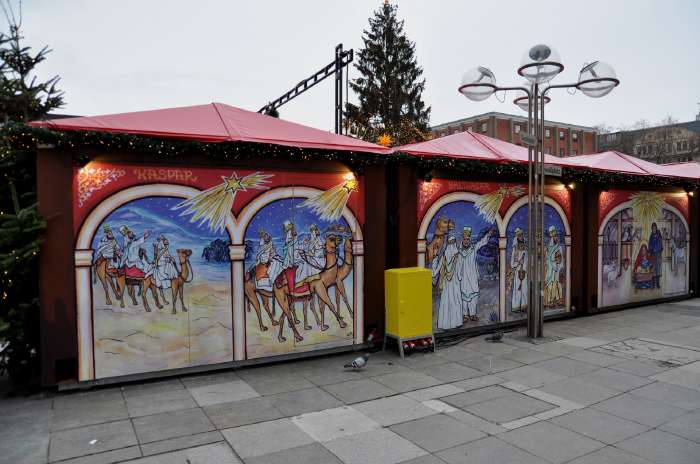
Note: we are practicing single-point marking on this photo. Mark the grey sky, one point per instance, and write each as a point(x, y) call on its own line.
point(128, 55)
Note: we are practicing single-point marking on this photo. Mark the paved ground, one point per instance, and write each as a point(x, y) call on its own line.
point(621, 387)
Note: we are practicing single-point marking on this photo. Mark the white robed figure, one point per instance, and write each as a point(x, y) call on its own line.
point(311, 260)
point(518, 266)
point(133, 260)
point(268, 265)
point(165, 266)
point(469, 273)
point(108, 249)
point(553, 295)
point(446, 278)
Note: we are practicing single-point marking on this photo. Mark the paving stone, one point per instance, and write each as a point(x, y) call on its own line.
point(244, 412)
point(599, 425)
point(566, 366)
point(432, 393)
point(151, 388)
point(95, 412)
point(662, 447)
point(531, 376)
point(24, 430)
point(599, 359)
point(610, 455)
point(461, 400)
point(478, 382)
point(527, 356)
point(227, 392)
point(419, 360)
point(76, 442)
point(332, 371)
point(171, 399)
point(687, 426)
point(68, 401)
point(583, 342)
point(488, 450)
point(457, 353)
point(302, 401)
point(508, 408)
point(307, 454)
point(107, 457)
point(375, 447)
point(639, 409)
point(668, 393)
point(439, 406)
point(435, 433)
point(558, 349)
point(179, 443)
point(451, 372)
point(551, 442)
point(171, 425)
point(495, 349)
point(640, 368)
point(394, 409)
point(427, 459)
point(610, 378)
point(268, 382)
point(209, 379)
point(575, 389)
point(477, 422)
point(334, 423)
point(407, 380)
point(217, 453)
point(266, 437)
point(681, 377)
point(355, 391)
point(490, 364)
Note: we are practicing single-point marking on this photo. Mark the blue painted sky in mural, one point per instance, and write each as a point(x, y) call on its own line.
point(519, 219)
point(272, 216)
point(156, 215)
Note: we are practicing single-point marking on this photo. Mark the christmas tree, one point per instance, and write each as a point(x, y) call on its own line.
point(390, 109)
point(22, 98)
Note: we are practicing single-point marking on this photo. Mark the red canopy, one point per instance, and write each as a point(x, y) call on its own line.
point(690, 169)
point(214, 122)
point(618, 162)
point(469, 145)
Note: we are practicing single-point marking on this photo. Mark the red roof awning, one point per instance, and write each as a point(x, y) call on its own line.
point(214, 122)
point(690, 169)
point(616, 161)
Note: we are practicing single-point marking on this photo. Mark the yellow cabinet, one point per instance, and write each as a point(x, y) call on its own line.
point(409, 303)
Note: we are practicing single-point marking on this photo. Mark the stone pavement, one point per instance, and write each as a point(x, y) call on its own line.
point(621, 387)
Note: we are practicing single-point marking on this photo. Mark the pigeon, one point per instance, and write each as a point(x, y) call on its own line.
point(358, 363)
point(496, 337)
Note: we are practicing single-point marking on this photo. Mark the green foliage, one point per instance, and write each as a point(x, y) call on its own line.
point(390, 86)
point(22, 98)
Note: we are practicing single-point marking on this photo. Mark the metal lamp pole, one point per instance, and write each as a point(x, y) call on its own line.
point(539, 65)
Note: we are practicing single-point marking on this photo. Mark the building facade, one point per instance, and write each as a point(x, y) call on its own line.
point(560, 139)
point(661, 144)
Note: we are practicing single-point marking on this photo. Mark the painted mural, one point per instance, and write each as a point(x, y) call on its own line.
point(643, 245)
point(185, 267)
point(473, 237)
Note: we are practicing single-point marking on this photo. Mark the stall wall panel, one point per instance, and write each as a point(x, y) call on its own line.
point(184, 267)
point(643, 246)
point(473, 237)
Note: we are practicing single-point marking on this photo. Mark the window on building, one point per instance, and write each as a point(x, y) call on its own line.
point(561, 135)
point(547, 133)
point(469, 128)
point(574, 152)
point(639, 150)
point(561, 152)
point(516, 128)
point(574, 136)
point(484, 126)
point(678, 146)
point(547, 150)
point(685, 145)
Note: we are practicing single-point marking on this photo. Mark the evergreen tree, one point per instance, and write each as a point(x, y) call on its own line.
point(22, 98)
point(391, 109)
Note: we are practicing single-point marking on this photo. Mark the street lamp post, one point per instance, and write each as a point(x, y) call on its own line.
point(539, 65)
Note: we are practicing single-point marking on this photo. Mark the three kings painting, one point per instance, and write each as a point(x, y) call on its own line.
point(473, 238)
point(186, 267)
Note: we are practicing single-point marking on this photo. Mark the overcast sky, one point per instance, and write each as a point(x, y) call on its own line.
point(128, 55)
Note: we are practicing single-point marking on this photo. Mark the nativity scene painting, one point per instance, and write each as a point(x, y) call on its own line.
point(643, 249)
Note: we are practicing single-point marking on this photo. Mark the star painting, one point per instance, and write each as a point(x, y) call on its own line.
point(330, 203)
point(212, 206)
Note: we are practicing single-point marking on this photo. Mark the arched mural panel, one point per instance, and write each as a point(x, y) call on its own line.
point(161, 294)
point(643, 247)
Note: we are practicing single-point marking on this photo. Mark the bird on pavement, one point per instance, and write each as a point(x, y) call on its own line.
point(358, 363)
point(495, 337)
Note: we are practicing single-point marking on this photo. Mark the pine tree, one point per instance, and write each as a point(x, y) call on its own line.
point(22, 98)
point(391, 109)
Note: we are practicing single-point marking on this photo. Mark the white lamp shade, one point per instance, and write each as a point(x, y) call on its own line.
point(540, 64)
point(524, 102)
point(478, 84)
point(597, 79)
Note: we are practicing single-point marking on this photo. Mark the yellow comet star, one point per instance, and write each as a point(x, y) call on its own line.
point(212, 206)
point(330, 203)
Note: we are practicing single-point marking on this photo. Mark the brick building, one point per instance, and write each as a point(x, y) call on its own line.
point(560, 139)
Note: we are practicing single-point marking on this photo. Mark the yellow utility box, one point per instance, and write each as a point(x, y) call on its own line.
point(408, 304)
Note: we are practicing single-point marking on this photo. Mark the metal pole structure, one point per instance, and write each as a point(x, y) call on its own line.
point(535, 232)
point(531, 258)
point(543, 244)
